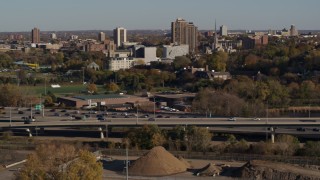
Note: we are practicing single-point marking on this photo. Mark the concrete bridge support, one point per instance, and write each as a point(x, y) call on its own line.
point(101, 133)
point(29, 132)
point(272, 134)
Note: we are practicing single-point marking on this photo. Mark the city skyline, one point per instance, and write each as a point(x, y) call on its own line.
point(141, 14)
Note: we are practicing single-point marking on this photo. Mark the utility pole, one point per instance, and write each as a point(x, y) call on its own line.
point(127, 171)
point(154, 107)
point(267, 120)
point(10, 116)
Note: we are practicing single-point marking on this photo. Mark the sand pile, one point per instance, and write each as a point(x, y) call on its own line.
point(185, 162)
point(209, 170)
point(157, 162)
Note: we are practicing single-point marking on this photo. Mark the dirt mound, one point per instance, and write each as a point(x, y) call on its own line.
point(185, 162)
point(157, 162)
point(209, 170)
point(259, 170)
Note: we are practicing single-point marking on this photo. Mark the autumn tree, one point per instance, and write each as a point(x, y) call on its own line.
point(92, 88)
point(60, 161)
point(113, 87)
point(219, 103)
point(198, 138)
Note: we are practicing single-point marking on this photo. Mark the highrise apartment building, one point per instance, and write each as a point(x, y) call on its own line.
point(120, 36)
point(293, 31)
point(102, 36)
point(35, 35)
point(183, 32)
point(223, 30)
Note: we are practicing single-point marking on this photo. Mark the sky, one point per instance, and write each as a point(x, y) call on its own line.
point(59, 15)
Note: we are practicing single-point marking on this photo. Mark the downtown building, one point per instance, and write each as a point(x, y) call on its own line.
point(35, 35)
point(184, 33)
point(119, 36)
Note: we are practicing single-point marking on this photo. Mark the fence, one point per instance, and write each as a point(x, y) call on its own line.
point(225, 157)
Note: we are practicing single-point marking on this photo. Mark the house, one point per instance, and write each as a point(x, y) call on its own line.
point(94, 66)
point(212, 75)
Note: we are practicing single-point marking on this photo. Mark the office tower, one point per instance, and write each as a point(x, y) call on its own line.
point(102, 36)
point(293, 31)
point(35, 35)
point(120, 36)
point(223, 30)
point(53, 36)
point(183, 32)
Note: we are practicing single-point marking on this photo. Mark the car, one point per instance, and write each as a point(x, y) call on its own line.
point(57, 114)
point(301, 129)
point(256, 119)
point(159, 116)
point(52, 110)
point(316, 129)
point(167, 117)
point(232, 119)
point(102, 118)
point(20, 112)
point(63, 110)
point(27, 121)
point(37, 112)
point(31, 118)
point(151, 119)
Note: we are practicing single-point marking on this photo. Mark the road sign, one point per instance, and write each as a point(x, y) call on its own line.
point(38, 107)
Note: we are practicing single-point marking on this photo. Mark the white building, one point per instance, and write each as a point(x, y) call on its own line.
point(170, 52)
point(102, 36)
point(118, 63)
point(53, 36)
point(147, 54)
point(120, 36)
point(223, 30)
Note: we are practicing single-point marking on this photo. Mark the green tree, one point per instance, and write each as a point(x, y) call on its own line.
point(181, 62)
point(146, 137)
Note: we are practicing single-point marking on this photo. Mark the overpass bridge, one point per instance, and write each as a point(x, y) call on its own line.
point(103, 126)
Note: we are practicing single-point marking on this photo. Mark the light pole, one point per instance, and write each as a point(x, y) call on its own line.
point(154, 107)
point(137, 113)
point(267, 120)
point(10, 116)
point(309, 111)
point(82, 75)
point(45, 86)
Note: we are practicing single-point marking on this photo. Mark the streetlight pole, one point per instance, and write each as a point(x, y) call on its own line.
point(267, 120)
point(137, 113)
point(10, 116)
point(154, 107)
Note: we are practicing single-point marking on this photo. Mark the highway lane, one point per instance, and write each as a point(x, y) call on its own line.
point(217, 122)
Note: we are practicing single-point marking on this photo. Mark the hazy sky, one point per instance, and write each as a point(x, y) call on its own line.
point(55, 15)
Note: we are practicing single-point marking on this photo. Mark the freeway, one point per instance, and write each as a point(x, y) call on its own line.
point(166, 122)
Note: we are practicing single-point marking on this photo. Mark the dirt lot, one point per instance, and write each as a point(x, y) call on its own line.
point(115, 170)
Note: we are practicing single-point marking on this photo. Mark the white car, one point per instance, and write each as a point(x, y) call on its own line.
point(256, 119)
point(232, 119)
